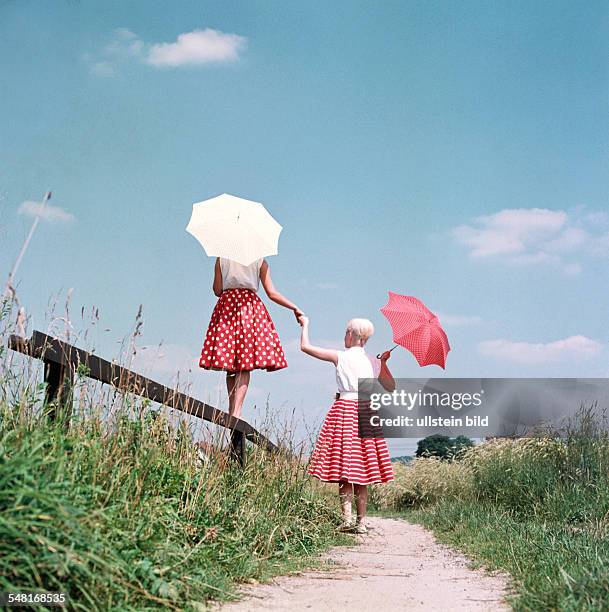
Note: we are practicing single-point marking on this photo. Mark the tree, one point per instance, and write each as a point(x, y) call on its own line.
point(436, 445)
point(462, 442)
point(439, 445)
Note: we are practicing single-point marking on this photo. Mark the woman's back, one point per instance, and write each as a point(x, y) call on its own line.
point(236, 275)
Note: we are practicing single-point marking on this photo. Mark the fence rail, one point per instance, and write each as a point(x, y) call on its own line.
point(63, 360)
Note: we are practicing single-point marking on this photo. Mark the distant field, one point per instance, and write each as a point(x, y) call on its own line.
point(536, 507)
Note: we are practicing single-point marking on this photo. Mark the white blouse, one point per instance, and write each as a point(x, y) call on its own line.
point(236, 275)
point(354, 363)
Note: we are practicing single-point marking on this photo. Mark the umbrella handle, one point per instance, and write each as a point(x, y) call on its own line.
point(379, 355)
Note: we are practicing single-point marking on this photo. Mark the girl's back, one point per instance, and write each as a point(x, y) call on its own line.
point(353, 364)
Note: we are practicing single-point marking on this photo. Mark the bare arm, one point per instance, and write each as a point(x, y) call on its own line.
point(273, 294)
point(217, 286)
point(385, 376)
point(315, 351)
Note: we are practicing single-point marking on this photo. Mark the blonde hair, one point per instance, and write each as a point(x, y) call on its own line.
point(362, 328)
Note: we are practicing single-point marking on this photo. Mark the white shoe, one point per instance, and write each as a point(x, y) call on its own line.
point(346, 527)
point(360, 528)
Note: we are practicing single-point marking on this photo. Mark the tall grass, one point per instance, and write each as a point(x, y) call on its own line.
point(123, 512)
point(537, 507)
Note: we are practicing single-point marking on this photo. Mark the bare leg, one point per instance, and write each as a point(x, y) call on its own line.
point(231, 378)
point(239, 390)
point(361, 501)
point(345, 494)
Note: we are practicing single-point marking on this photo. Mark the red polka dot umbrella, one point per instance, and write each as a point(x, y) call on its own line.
point(417, 329)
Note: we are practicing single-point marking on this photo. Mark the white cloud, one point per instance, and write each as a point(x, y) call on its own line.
point(599, 217)
point(449, 320)
point(601, 245)
point(194, 48)
point(104, 69)
point(125, 43)
point(534, 236)
point(509, 231)
point(197, 47)
point(49, 212)
point(573, 347)
point(570, 239)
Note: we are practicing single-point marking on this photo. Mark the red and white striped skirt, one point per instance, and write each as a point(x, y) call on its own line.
point(341, 455)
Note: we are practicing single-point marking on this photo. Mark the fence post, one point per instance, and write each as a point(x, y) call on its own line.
point(58, 394)
point(237, 446)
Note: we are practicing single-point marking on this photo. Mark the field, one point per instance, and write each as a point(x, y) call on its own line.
point(536, 507)
point(122, 511)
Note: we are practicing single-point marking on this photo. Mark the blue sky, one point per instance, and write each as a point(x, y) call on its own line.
point(458, 152)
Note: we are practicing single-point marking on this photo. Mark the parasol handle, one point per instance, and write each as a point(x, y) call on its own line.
point(379, 355)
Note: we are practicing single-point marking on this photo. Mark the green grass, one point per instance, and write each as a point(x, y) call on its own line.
point(128, 520)
point(537, 509)
point(554, 567)
point(120, 511)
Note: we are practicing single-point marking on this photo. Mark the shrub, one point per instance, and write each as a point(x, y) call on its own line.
point(438, 445)
point(424, 480)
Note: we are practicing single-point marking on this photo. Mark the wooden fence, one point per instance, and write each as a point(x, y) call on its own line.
point(62, 361)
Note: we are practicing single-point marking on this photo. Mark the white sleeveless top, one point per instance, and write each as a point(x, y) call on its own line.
point(236, 275)
point(352, 364)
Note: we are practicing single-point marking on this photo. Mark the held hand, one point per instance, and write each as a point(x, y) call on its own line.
point(303, 320)
point(385, 356)
point(298, 313)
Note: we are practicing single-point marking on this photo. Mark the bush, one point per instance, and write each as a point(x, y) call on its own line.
point(442, 446)
point(424, 480)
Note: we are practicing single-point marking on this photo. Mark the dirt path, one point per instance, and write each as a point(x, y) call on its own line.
point(397, 566)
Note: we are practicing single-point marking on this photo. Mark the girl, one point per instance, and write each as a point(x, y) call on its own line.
point(241, 336)
point(340, 455)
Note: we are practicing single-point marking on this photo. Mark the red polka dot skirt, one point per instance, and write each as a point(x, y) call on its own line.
point(340, 454)
point(241, 335)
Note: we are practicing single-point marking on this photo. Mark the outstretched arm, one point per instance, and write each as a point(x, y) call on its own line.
point(273, 294)
point(217, 286)
point(385, 376)
point(315, 351)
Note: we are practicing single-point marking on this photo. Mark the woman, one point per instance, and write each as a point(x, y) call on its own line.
point(241, 336)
